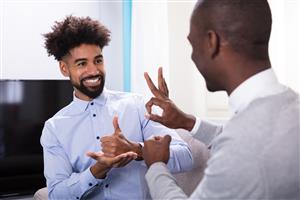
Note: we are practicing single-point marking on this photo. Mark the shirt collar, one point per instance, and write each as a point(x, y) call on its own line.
point(83, 105)
point(260, 85)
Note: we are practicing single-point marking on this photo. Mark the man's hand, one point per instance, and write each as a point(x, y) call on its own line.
point(117, 144)
point(172, 116)
point(157, 150)
point(104, 163)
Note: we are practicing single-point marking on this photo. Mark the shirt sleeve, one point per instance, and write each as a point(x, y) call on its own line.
point(227, 176)
point(181, 158)
point(62, 182)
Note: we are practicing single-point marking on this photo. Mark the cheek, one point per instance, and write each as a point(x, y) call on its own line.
point(196, 57)
point(76, 75)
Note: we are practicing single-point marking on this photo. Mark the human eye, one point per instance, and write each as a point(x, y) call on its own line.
point(98, 61)
point(81, 64)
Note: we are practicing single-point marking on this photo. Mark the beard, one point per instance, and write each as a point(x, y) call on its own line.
point(88, 91)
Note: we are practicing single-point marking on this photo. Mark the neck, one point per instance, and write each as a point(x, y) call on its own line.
point(242, 70)
point(81, 96)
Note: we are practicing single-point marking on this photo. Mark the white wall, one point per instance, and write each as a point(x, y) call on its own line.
point(23, 55)
point(149, 43)
point(285, 41)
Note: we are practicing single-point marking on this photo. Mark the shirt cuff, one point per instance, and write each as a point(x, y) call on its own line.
point(196, 126)
point(88, 181)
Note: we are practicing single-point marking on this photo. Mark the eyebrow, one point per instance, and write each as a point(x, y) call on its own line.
point(99, 56)
point(80, 59)
point(85, 59)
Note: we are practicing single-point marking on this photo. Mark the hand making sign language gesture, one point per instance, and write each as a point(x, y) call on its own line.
point(157, 149)
point(172, 116)
point(116, 144)
point(116, 152)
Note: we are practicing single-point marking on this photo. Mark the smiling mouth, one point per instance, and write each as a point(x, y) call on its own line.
point(92, 81)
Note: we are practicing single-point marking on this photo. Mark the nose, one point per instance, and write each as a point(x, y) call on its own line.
point(92, 69)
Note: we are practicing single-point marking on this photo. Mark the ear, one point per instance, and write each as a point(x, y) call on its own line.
point(213, 43)
point(64, 68)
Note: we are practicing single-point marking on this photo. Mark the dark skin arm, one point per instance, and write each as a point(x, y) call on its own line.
point(172, 116)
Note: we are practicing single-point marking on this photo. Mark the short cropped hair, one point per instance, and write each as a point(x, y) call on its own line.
point(245, 24)
point(72, 32)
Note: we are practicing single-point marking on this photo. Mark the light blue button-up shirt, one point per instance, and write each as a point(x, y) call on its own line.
point(78, 127)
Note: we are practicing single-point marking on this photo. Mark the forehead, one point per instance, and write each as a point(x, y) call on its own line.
point(85, 51)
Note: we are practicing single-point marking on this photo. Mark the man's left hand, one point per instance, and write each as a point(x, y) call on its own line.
point(157, 150)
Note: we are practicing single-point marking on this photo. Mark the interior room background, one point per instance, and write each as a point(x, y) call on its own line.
point(145, 35)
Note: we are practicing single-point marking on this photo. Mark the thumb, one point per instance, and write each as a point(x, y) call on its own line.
point(116, 125)
point(166, 139)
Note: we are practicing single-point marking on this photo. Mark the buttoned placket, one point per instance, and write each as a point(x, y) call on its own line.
point(95, 118)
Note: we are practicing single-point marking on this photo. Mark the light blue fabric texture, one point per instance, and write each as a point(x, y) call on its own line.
point(76, 129)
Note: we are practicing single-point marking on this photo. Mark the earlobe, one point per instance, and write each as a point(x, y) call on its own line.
point(63, 68)
point(213, 43)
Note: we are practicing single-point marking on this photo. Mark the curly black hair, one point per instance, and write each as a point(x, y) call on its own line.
point(72, 32)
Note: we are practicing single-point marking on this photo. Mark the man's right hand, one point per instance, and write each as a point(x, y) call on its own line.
point(104, 163)
point(172, 116)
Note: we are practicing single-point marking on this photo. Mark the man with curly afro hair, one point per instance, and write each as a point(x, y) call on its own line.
point(93, 147)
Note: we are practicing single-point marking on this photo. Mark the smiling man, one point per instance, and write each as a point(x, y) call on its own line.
point(89, 152)
point(255, 155)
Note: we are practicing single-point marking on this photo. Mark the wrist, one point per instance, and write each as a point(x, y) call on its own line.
point(99, 171)
point(189, 122)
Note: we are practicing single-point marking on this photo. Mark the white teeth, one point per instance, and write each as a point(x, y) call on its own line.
point(92, 80)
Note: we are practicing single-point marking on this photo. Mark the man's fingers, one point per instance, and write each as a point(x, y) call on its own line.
point(155, 118)
point(151, 86)
point(156, 102)
point(162, 85)
point(107, 138)
point(166, 90)
point(123, 159)
point(157, 137)
point(95, 155)
point(160, 79)
point(116, 125)
point(148, 106)
point(166, 139)
point(126, 160)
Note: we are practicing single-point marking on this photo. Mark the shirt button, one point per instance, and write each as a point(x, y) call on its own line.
point(92, 103)
point(106, 185)
point(77, 197)
point(94, 115)
point(98, 137)
point(90, 184)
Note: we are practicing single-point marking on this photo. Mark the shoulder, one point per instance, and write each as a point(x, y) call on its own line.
point(63, 113)
point(125, 98)
point(119, 95)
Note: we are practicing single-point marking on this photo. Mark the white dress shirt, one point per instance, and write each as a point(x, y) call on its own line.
point(260, 85)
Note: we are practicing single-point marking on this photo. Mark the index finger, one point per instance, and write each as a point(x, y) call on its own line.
point(151, 86)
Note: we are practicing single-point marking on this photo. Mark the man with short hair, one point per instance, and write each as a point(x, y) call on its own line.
point(108, 126)
point(255, 155)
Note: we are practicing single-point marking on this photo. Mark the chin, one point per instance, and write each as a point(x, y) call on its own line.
point(212, 88)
